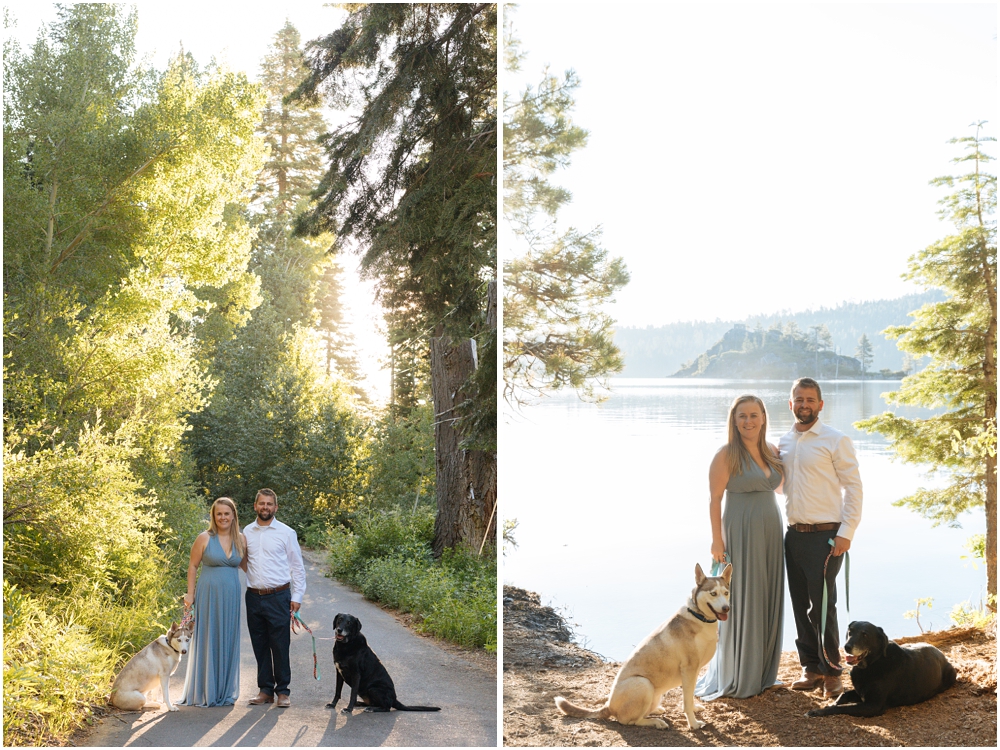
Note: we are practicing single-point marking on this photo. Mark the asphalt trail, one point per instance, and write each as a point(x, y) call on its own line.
point(424, 674)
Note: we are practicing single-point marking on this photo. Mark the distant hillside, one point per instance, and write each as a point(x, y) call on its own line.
point(761, 354)
point(656, 352)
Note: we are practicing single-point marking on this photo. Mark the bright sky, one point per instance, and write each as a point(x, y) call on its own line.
point(239, 34)
point(754, 158)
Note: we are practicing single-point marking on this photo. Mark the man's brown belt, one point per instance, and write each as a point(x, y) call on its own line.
point(810, 527)
point(263, 592)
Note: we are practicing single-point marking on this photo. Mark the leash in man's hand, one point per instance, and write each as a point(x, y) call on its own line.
point(295, 616)
point(847, 596)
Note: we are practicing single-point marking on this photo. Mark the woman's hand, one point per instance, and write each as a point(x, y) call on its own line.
point(188, 601)
point(718, 551)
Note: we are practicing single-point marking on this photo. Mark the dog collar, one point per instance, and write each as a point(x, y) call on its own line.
point(171, 647)
point(700, 616)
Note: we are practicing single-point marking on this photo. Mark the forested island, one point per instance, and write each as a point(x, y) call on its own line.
point(658, 351)
point(775, 353)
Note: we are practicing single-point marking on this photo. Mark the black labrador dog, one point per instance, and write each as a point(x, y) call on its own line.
point(358, 666)
point(885, 675)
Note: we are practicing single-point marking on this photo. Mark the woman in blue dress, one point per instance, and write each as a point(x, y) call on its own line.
point(747, 469)
point(213, 666)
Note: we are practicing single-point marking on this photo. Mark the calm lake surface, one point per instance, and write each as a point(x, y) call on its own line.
point(611, 502)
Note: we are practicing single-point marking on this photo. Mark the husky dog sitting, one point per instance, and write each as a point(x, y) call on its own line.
point(671, 655)
point(154, 664)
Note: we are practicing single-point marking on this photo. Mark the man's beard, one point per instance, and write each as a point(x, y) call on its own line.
point(265, 515)
point(805, 419)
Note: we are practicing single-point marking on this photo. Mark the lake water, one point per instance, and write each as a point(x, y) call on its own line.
point(611, 502)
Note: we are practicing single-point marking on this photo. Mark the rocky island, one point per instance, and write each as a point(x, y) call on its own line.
point(774, 353)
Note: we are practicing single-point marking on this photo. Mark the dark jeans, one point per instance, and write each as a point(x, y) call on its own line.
point(269, 623)
point(805, 553)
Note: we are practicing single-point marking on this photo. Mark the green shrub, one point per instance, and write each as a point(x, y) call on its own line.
point(53, 671)
point(388, 558)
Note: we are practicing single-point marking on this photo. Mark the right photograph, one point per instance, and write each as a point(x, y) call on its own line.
point(749, 306)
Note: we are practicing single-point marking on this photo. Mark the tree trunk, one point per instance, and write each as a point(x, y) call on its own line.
point(466, 479)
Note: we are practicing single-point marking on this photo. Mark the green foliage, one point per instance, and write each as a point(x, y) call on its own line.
point(964, 615)
point(400, 463)
point(556, 333)
point(275, 421)
point(54, 670)
point(388, 557)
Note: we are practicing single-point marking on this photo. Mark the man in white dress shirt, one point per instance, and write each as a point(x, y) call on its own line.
point(276, 581)
point(822, 503)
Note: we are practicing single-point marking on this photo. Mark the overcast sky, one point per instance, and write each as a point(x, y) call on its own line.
point(752, 158)
point(239, 35)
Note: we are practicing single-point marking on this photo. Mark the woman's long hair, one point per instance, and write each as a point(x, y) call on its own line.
point(737, 454)
point(234, 529)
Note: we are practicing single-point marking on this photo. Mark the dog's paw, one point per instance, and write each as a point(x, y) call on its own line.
point(813, 713)
point(346, 710)
point(696, 724)
point(173, 708)
point(659, 723)
point(332, 705)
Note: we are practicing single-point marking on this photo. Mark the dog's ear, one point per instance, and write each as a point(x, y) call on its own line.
point(699, 574)
point(727, 574)
point(359, 623)
point(884, 641)
point(336, 619)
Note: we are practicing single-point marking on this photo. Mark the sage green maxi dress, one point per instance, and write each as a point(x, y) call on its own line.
point(746, 660)
point(213, 661)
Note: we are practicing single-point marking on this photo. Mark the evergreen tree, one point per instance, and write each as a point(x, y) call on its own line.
point(959, 335)
point(340, 351)
point(864, 353)
point(412, 179)
point(556, 332)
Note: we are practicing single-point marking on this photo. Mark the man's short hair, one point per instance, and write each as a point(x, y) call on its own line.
point(807, 383)
point(266, 493)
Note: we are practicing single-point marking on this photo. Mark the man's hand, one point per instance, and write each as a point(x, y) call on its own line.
point(296, 605)
point(840, 545)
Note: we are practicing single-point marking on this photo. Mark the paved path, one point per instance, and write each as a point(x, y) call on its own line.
point(423, 672)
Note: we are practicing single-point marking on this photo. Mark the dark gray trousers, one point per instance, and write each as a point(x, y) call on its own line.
point(805, 554)
point(269, 623)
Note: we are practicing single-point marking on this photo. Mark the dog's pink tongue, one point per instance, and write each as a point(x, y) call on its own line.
point(722, 615)
point(850, 658)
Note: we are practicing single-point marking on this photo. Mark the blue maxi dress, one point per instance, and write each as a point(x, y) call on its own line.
point(749, 651)
point(213, 662)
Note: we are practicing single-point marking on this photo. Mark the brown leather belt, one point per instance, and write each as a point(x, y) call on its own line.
point(810, 527)
point(264, 592)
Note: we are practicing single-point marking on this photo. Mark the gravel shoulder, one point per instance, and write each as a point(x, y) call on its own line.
point(540, 661)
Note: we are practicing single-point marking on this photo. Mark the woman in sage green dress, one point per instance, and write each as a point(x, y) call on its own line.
point(213, 665)
point(749, 471)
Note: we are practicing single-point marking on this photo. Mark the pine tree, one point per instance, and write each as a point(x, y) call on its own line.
point(340, 351)
point(556, 330)
point(960, 337)
point(864, 354)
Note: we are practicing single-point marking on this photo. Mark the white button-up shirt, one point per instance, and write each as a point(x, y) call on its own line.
point(820, 463)
point(274, 558)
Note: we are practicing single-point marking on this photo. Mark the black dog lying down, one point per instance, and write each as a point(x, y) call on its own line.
point(358, 666)
point(886, 675)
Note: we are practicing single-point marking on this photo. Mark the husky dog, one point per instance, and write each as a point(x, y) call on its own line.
point(155, 663)
point(885, 674)
point(671, 655)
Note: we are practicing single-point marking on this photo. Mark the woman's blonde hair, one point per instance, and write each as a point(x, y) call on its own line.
point(237, 536)
point(737, 454)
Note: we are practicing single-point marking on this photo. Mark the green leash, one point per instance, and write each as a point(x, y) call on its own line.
point(295, 616)
point(847, 597)
point(718, 567)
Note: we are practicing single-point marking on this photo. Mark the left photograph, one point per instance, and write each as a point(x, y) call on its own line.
point(250, 375)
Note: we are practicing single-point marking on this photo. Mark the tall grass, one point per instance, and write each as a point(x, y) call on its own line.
point(388, 557)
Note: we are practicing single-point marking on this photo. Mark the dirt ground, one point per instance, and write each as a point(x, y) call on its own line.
point(540, 662)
